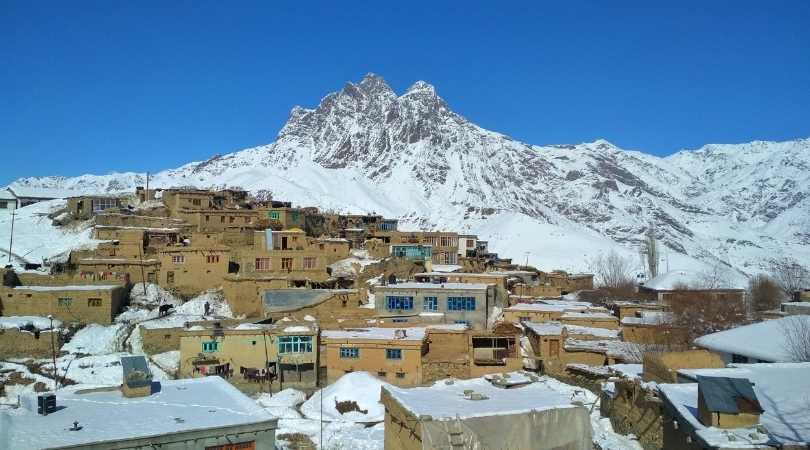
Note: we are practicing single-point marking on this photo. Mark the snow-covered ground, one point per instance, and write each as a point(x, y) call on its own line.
point(345, 432)
point(35, 237)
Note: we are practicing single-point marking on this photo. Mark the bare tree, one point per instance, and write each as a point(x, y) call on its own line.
point(764, 293)
point(649, 249)
point(715, 277)
point(700, 312)
point(790, 276)
point(796, 330)
point(612, 270)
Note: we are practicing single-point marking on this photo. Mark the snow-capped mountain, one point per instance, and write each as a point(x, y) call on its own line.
point(364, 148)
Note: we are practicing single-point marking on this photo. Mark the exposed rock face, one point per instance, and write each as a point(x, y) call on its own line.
point(412, 157)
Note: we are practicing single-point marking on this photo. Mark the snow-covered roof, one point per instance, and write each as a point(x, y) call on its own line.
point(40, 323)
point(611, 347)
point(415, 285)
point(107, 416)
point(555, 329)
point(387, 334)
point(765, 341)
point(649, 318)
point(543, 307)
point(446, 268)
point(5, 194)
point(41, 192)
point(593, 315)
point(448, 401)
point(75, 287)
point(786, 417)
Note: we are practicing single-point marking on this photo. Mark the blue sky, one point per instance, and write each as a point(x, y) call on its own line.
point(103, 86)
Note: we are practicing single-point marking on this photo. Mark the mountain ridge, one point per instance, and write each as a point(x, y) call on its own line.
point(364, 148)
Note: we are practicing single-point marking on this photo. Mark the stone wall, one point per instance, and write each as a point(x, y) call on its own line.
point(632, 409)
point(663, 367)
point(160, 340)
point(15, 343)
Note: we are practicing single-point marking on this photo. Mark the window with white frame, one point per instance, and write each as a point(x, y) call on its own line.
point(178, 259)
point(262, 264)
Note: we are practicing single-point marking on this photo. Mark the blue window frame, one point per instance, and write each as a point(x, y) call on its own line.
point(430, 304)
point(349, 352)
point(463, 322)
point(399, 320)
point(399, 302)
point(393, 353)
point(294, 344)
point(209, 347)
point(461, 303)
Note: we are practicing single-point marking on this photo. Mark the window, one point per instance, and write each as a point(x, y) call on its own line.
point(399, 302)
point(349, 352)
point(286, 263)
point(393, 353)
point(294, 344)
point(274, 215)
point(309, 262)
point(100, 204)
point(399, 320)
point(196, 202)
point(208, 347)
point(93, 302)
point(212, 259)
point(221, 219)
point(461, 303)
point(430, 304)
point(178, 259)
point(64, 302)
point(231, 219)
point(381, 374)
point(170, 277)
point(3, 205)
point(262, 264)
point(470, 243)
point(207, 218)
point(462, 322)
point(400, 374)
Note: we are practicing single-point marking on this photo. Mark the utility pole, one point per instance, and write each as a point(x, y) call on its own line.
point(53, 357)
point(146, 195)
point(11, 238)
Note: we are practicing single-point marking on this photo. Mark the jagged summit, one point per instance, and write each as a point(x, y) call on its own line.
point(366, 148)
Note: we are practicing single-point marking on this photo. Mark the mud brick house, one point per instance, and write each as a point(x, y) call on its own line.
point(443, 245)
point(292, 254)
point(139, 415)
point(593, 319)
point(545, 310)
point(567, 282)
point(653, 327)
point(117, 270)
point(284, 353)
point(497, 279)
point(748, 406)
point(392, 354)
point(29, 337)
point(457, 353)
point(139, 221)
point(68, 303)
point(412, 302)
point(329, 307)
point(189, 270)
point(512, 411)
point(86, 206)
point(555, 345)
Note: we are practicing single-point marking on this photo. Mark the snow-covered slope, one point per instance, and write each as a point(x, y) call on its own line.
point(364, 148)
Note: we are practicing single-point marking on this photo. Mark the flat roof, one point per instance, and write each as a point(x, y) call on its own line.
point(387, 334)
point(544, 307)
point(82, 287)
point(448, 401)
point(415, 285)
point(555, 328)
point(107, 416)
point(288, 299)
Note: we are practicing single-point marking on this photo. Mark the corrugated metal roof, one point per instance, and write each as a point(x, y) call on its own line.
point(722, 394)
